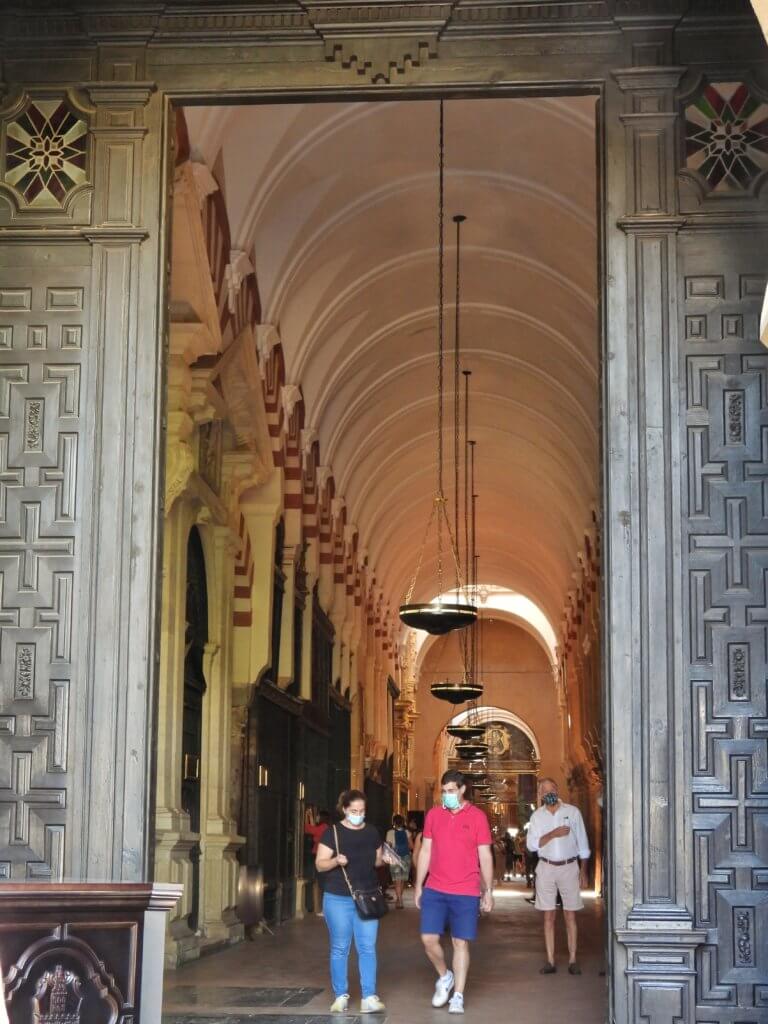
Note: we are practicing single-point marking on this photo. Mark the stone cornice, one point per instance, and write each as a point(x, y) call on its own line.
point(168, 23)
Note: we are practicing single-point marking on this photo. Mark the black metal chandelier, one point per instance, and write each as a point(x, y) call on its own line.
point(456, 692)
point(471, 751)
point(471, 733)
point(467, 732)
point(439, 617)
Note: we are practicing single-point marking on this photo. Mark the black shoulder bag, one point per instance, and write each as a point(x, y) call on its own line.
point(370, 904)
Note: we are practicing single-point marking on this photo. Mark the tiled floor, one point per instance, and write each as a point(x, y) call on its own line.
point(283, 979)
point(247, 996)
point(263, 1018)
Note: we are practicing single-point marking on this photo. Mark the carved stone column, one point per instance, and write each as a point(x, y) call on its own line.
point(173, 838)
point(80, 281)
point(81, 361)
point(220, 841)
point(653, 933)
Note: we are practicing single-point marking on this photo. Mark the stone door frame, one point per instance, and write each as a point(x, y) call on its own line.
point(89, 271)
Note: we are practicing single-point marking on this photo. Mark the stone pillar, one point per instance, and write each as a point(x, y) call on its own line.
point(261, 510)
point(82, 272)
point(82, 275)
point(653, 935)
point(173, 839)
point(219, 839)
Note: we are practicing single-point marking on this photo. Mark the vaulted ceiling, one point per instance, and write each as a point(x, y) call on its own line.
point(336, 205)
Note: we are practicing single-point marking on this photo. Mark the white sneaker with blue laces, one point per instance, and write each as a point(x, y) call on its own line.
point(456, 1004)
point(443, 989)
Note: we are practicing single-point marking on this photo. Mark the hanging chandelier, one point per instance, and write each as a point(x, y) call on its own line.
point(439, 617)
point(456, 693)
point(469, 688)
point(471, 734)
point(471, 751)
point(467, 732)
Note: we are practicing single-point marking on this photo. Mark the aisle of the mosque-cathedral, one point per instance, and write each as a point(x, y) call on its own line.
point(283, 978)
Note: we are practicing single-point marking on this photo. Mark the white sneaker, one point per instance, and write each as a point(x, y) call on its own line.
point(456, 1004)
point(371, 1004)
point(443, 990)
point(340, 1004)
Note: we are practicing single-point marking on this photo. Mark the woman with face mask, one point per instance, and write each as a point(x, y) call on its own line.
point(356, 847)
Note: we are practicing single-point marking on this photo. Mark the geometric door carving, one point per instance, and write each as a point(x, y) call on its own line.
point(724, 372)
point(42, 344)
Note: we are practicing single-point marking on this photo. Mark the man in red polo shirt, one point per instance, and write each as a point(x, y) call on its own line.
point(456, 852)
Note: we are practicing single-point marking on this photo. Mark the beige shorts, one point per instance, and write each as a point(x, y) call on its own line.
point(551, 879)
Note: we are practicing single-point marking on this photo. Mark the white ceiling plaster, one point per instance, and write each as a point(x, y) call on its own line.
point(336, 206)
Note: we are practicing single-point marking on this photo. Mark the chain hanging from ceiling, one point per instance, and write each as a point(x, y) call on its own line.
point(467, 688)
point(439, 616)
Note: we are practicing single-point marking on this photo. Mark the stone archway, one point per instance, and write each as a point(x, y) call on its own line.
point(684, 373)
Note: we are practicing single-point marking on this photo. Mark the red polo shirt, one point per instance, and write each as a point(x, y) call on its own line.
point(454, 866)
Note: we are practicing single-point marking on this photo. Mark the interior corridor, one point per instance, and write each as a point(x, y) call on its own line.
point(283, 978)
point(368, 299)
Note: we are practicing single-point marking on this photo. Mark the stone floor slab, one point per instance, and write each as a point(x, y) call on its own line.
point(225, 995)
point(272, 1018)
point(504, 982)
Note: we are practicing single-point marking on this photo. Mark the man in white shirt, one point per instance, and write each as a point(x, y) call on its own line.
point(556, 832)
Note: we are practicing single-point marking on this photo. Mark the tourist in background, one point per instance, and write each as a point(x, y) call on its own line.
point(315, 824)
point(556, 832)
point(399, 838)
point(417, 835)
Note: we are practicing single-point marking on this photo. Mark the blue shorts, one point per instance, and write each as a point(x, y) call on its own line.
point(441, 910)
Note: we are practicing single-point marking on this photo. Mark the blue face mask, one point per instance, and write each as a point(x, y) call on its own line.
point(451, 801)
point(355, 819)
point(550, 799)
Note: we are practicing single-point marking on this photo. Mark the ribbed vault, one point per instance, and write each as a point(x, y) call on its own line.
point(336, 204)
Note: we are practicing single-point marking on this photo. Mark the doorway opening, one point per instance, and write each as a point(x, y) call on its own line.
point(301, 432)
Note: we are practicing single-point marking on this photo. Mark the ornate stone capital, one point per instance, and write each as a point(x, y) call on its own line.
point(267, 338)
point(242, 470)
point(204, 182)
point(235, 272)
point(290, 396)
point(179, 467)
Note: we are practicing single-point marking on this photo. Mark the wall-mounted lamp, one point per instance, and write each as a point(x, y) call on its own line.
point(301, 791)
point(263, 776)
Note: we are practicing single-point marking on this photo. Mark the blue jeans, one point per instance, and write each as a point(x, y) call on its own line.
point(344, 923)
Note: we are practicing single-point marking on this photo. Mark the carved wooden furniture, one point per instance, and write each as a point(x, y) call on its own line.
point(85, 952)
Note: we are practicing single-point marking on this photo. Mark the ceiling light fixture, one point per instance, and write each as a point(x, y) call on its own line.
point(471, 751)
point(439, 617)
point(466, 733)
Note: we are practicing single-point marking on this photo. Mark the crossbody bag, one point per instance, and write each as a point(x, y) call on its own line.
point(371, 904)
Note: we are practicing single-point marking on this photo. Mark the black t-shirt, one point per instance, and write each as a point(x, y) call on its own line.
point(359, 846)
